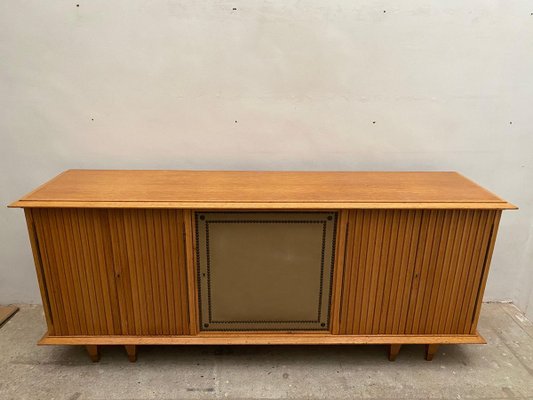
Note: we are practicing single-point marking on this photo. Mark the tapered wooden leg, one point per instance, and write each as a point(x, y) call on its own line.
point(94, 352)
point(394, 349)
point(431, 349)
point(132, 352)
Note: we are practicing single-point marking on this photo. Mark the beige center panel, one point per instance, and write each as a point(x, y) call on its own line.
point(265, 270)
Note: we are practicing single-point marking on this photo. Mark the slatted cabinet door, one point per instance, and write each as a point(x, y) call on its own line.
point(111, 272)
point(150, 261)
point(74, 257)
point(415, 271)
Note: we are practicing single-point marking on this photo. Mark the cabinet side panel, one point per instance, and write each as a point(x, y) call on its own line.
point(413, 271)
point(476, 304)
point(78, 262)
point(149, 252)
point(41, 275)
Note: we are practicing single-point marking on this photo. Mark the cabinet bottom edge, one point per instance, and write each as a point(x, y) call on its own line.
point(262, 339)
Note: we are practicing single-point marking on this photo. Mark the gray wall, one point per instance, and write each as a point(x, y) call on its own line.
point(279, 84)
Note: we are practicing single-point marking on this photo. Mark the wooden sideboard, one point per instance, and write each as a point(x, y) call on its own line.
point(226, 257)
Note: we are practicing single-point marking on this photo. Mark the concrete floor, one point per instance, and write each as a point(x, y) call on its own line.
point(503, 369)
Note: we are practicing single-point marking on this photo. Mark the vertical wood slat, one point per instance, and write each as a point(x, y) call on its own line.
point(173, 274)
point(406, 264)
point(112, 272)
point(450, 285)
point(106, 270)
point(186, 292)
point(444, 268)
point(414, 271)
point(81, 304)
point(392, 274)
point(380, 259)
point(386, 277)
point(91, 293)
point(143, 267)
point(189, 230)
point(413, 282)
point(163, 273)
point(369, 261)
point(435, 272)
point(362, 274)
point(123, 278)
point(423, 271)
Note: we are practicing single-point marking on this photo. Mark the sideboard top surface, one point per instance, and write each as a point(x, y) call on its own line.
point(260, 190)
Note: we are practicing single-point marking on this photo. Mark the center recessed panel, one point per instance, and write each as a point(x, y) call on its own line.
point(265, 271)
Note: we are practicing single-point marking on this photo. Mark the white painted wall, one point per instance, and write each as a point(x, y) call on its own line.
point(275, 84)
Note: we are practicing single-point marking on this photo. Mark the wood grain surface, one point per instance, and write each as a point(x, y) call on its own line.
point(110, 272)
point(259, 189)
point(115, 254)
point(415, 272)
point(251, 338)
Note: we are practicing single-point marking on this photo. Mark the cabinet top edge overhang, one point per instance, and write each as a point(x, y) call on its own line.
point(283, 190)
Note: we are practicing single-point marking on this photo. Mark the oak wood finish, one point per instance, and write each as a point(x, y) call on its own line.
point(394, 349)
point(150, 266)
point(93, 351)
point(131, 351)
point(109, 272)
point(415, 272)
point(77, 270)
point(250, 189)
point(7, 312)
point(264, 338)
point(431, 349)
point(260, 206)
point(115, 254)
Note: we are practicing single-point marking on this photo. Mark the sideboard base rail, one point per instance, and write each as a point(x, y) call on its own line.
point(130, 343)
point(263, 338)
